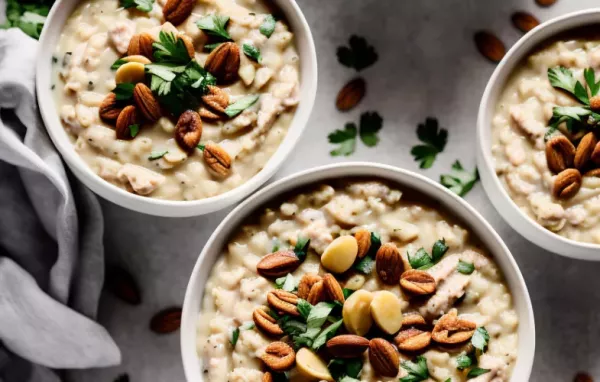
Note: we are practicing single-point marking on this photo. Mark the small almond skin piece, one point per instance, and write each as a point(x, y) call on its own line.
point(267, 377)
point(595, 173)
point(451, 330)
point(188, 131)
point(412, 340)
point(490, 46)
point(224, 62)
point(333, 288)
point(560, 153)
point(146, 102)
point(567, 184)
point(383, 357)
point(584, 151)
point(265, 323)
point(347, 346)
point(413, 319)
point(363, 239)
point(418, 282)
point(177, 11)
point(279, 356)
point(217, 160)
point(166, 321)
point(127, 117)
point(278, 264)
point(283, 301)
point(388, 263)
point(109, 108)
point(351, 94)
point(141, 45)
point(524, 21)
point(306, 283)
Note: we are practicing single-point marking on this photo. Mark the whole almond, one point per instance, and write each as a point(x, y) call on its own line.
point(583, 377)
point(283, 301)
point(224, 62)
point(596, 154)
point(306, 283)
point(146, 102)
point(317, 293)
point(567, 184)
point(122, 284)
point(412, 339)
point(216, 99)
point(267, 377)
point(141, 45)
point(166, 321)
point(333, 288)
point(127, 117)
point(418, 282)
point(351, 94)
point(524, 21)
point(388, 263)
point(595, 173)
point(363, 239)
point(560, 153)
point(278, 264)
point(109, 108)
point(347, 346)
point(413, 319)
point(189, 45)
point(265, 323)
point(279, 356)
point(545, 3)
point(584, 150)
point(383, 357)
point(176, 11)
point(217, 159)
point(188, 131)
point(490, 46)
point(207, 114)
point(452, 330)
point(595, 103)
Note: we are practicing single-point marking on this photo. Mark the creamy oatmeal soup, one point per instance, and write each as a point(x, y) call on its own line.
point(545, 137)
point(356, 281)
point(176, 99)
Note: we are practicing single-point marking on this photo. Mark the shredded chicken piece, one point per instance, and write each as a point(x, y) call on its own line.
point(141, 180)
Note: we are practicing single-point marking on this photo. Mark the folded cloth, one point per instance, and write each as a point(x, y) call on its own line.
point(51, 252)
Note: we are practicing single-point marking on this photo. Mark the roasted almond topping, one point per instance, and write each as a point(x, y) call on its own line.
point(567, 184)
point(216, 99)
point(524, 21)
point(128, 117)
point(412, 340)
point(560, 153)
point(347, 346)
point(545, 3)
point(595, 103)
point(267, 377)
point(279, 356)
point(418, 282)
point(596, 154)
point(188, 131)
point(176, 11)
point(584, 151)
point(452, 330)
point(141, 45)
point(265, 323)
point(283, 301)
point(363, 238)
point(388, 263)
point(383, 357)
point(146, 103)
point(351, 94)
point(166, 321)
point(224, 62)
point(595, 173)
point(189, 45)
point(333, 288)
point(278, 264)
point(490, 46)
point(306, 283)
point(413, 319)
point(208, 115)
point(217, 160)
point(109, 108)
point(317, 293)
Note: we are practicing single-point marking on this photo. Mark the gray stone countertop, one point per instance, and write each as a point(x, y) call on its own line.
point(428, 66)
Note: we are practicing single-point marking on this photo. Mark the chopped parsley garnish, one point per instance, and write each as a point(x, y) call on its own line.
point(241, 104)
point(117, 64)
point(210, 47)
point(421, 259)
point(358, 55)
point(215, 25)
point(476, 372)
point(345, 369)
point(326, 334)
point(463, 361)
point(465, 268)
point(367, 263)
point(134, 130)
point(459, 181)
point(157, 154)
point(480, 339)
point(268, 26)
point(235, 333)
point(304, 308)
point(434, 141)
point(170, 48)
point(142, 5)
point(370, 124)
point(288, 283)
point(347, 292)
point(301, 247)
point(252, 52)
point(200, 147)
point(417, 370)
point(27, 16)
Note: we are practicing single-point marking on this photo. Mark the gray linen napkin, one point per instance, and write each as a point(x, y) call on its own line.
point(51, 252)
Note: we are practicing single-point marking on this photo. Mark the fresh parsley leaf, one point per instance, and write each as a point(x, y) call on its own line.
point(346, 369)
point(134, 130)
point(326, 334)
point(476, 372)
point(365, 265)
point(142, 5)
point(358, 55)
point(573, 112)
point(170, 48)
point(157, 154)
point(465, 268)
point(268, 26)
point(590, 78)
point(581, 93)
point(439, 250)
point(200, 147)
point(480, 339)
point(347, 292)
point(370, 124)
point(417, 370)
point(459, 181)
point(210, 47)
point(276, 244)
point(375, 244)
point(346, 138)
point(241, 104)
point(448, 380)
point(562, 78)
point(235, 334)
point(252, 52)
point(318, 315)
point(463, 361)
point(420, 260)
point(215, 25)
point(124, 91)
point(301, 248)
point(280, 376)
point(29, 16)
point(434, 139)
point(304, 308)
point(117, 64)
point(292, 327)
point(287, 283)
point(249, 325)
point(31, 23)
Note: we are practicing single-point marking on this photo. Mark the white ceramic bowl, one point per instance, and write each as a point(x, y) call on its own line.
point(508, 209)
point(61, 10)
point(454, 205)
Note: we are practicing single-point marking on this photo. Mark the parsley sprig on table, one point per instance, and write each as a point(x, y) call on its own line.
point(142, 5)
point(459, 180)
point(434, 141)
point(369, 126)
point(358, 55)
point(27, 16)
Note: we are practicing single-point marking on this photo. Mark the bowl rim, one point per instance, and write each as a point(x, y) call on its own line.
point(51, 32)
point(450, 202)
point(506, 207)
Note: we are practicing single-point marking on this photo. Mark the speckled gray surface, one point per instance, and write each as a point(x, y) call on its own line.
point(428, 66)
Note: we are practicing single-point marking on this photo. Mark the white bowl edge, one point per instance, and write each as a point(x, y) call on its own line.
point(500, 199)
point(48, 110)
point(450, 202)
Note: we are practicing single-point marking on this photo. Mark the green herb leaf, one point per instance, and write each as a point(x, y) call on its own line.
point(215, 25)
point(346, 138)
point(318, 315)
point(476, 372)
point(241, 104)
point(358, 55)
point(142, 5)
point(370, 124)
point(235, 334)
point(134, 130)
point(459, 181)
point(200, 147)
point(117, 64)
point(210, 47)
point(268, 26)
point(124, 91)
point(480, 339)
point(590, 79)
point(346, 369)
point(375, 244)
point(287, 283)
point(420, 260)
point(417, 370)
point(581, 93)
point(326, 334)
point(170, 48)
point(292, 327)
point(448, 380)
point(439, 250)
point(157, 154)
point(347, 292)
point(301, 248)
point(304, 308)
point(465, 268)
point(252, 52)
point(276, 242)
point(463, 361)
point(562, 78)
point(28, 16)
point(365, 265)
point(434, 140)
